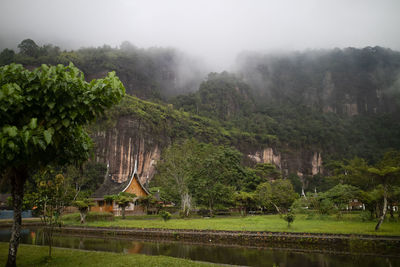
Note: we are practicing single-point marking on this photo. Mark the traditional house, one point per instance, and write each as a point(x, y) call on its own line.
point(110, 187)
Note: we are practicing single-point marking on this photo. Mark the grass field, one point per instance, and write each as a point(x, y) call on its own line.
point(29, 255)
point(350, 224)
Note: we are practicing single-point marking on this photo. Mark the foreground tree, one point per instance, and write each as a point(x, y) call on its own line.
point(42, 114)
point(51, 195)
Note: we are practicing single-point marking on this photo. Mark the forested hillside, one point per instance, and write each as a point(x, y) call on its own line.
point(345, 81)
point(297, 111)
point(153, 73)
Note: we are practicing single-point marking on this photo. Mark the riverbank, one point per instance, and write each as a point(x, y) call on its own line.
point(29, 255)
point(270, 223)
point(332, 243)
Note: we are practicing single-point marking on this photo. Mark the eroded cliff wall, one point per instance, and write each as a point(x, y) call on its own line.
point(128, 141)
point(300, 162)
point(131, 140)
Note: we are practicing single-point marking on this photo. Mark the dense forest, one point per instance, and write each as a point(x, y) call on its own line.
point(338, 103)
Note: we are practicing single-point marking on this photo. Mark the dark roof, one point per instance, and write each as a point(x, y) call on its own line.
point(110, 187)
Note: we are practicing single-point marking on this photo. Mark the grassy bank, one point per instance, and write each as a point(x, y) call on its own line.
point(347, 225)
point(29, 255)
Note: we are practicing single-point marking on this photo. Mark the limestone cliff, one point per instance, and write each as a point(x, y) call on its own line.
point(130, 140)
point(121, 145)
point(301, 162)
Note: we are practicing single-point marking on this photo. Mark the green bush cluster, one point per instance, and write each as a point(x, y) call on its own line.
point(165, 215)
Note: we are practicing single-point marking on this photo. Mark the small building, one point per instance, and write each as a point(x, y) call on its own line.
point(110, 187)
point(355, 204)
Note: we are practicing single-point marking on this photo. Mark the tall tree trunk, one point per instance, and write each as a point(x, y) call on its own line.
point(123, 212)
point(83, 214)
point(391, 210)
point(50, 239)
point(186, 204)
point(211, 207)
point(276, 207)
point(17, 178)
point(384, 208)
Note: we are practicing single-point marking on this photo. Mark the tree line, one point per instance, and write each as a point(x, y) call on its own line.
point(211, 178)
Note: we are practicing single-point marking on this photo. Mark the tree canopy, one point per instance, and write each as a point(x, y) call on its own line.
point(42, 114)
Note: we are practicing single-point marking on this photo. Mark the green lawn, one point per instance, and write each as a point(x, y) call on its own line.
point(29, 255)
point(350, 224)
point(26, 220)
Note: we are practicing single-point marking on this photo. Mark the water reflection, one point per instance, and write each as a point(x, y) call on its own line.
point(210, 253)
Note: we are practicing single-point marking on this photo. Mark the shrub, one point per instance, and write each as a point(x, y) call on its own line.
point(365, 216)
point(327, 207)
point(165, 215)
point(300, 205)
point(289, 217)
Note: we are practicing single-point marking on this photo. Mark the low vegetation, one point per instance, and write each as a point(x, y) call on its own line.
point(312, 223)
point(37, 256)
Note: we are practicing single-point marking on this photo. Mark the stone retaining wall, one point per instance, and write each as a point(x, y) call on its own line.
point(328, 242)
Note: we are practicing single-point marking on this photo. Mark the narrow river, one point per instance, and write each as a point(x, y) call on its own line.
point(247, 256)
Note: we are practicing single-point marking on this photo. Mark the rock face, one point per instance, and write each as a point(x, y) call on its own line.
point(131, 140)
point(128, 141)
point(300, 162)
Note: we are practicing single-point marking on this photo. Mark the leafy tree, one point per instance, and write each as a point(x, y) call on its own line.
point(282, 194)
point(41, 117)
point(123, 200)
point(385, 173)
point(342, 194)
point(6, 56)
point(83, 206)
point(244, 201)
point(278, 194)
point(216, 176)
point(147, 202)
point(87, 177)
point(28, 47)
point(174, 171)
point(51, 195)
point(267, 172)
point(300, 205)
point(263, 195)
point(296, 182)
point(208, 173)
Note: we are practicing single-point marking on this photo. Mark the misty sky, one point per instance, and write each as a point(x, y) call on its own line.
point(215, 30)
